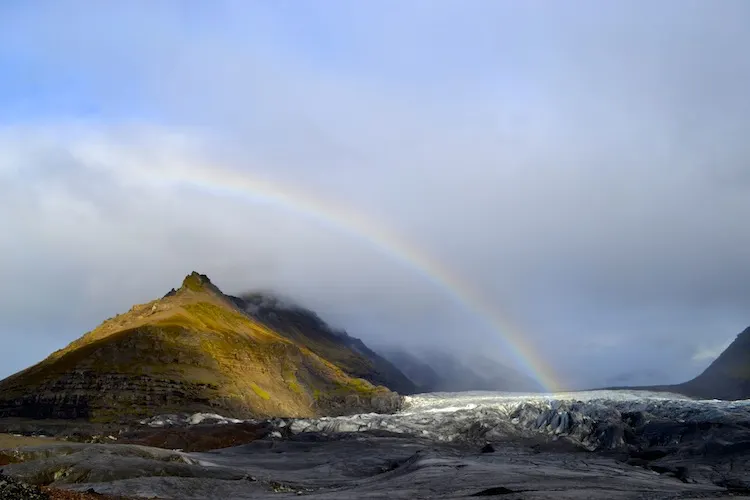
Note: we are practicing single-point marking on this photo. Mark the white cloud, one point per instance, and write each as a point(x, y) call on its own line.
point(587, 175)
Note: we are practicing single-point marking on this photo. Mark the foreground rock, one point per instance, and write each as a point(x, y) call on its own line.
point(349, 466)
point(13, 489)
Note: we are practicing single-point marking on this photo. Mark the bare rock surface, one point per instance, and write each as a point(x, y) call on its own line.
point(12, 489)
point(348, 466)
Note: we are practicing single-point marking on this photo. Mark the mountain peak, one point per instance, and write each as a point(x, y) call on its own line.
point(196, 282)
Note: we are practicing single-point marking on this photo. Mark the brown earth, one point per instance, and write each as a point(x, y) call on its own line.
point(11, 441)
point(198, 438)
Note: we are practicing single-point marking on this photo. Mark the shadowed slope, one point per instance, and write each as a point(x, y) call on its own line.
point(306, 328)
point(193, 350)
point(728, 377)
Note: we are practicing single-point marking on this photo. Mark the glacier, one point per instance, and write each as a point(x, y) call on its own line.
point(595, 420)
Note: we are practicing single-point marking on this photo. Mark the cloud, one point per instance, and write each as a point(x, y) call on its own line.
point(711, 353)
point(93, 235)
point(584, 169)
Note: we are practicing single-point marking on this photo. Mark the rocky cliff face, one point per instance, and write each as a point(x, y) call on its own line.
point(194, 350)
point(728, 377)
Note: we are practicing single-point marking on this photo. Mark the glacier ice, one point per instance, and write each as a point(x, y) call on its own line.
point(592, 419)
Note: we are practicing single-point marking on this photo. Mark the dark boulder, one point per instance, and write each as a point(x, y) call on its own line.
point(12, 489)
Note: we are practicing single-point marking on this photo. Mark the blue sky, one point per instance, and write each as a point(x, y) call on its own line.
point(583, 164)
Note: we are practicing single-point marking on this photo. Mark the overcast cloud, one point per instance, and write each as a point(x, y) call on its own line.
point(584, 165)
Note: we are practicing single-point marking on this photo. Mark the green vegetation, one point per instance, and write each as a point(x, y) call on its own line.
point(294, 386)
point(361, 386)
point(216, 318)
point(260, 392)
point(357, 386)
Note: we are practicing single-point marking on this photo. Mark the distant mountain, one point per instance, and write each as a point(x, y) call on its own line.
point(728, 377)
point(197, 349)
point(638, 377)
point(436, 371)
point(422, 375)
point(306, 328)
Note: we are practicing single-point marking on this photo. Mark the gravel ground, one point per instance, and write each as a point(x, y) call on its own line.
point(359, 466)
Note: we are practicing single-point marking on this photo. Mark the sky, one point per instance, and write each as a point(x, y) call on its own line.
point(582, 166)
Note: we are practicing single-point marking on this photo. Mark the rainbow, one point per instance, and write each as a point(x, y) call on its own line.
point(222, 181)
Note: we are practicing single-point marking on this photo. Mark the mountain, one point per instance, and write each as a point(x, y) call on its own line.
point(419, 372)
point(435, 371)
point(636, 377)
point(195, 350)
point(304, 327)
point(728, 377)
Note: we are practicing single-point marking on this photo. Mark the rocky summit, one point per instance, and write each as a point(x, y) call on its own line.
point(194, 350)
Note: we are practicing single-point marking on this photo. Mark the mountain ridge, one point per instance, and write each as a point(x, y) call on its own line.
point(193, 349)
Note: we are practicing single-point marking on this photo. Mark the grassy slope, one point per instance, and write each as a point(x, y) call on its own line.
point(192, 350)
